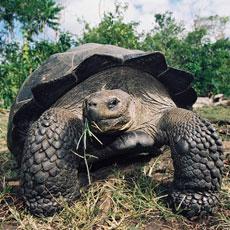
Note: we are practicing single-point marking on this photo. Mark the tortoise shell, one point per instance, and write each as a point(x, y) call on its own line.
point(62, 71)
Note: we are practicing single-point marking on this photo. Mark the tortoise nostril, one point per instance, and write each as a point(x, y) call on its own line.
point(113, 103)
point(92, 104)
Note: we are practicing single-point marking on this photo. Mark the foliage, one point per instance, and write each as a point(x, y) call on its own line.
point(14, 68)
point(197, 51)
point(32, 15)
point(208, 61)
point(112, 30)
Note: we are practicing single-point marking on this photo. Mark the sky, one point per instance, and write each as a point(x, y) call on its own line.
point(143, 11)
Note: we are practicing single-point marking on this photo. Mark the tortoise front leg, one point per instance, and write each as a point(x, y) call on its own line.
point(197, 155)
point(49, 167)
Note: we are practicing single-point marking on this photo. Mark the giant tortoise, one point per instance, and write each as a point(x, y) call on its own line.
point(133, 103)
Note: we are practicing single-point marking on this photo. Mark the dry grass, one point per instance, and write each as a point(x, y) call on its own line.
point(129, 198)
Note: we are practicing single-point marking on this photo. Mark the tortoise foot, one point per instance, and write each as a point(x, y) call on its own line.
point(193, 204)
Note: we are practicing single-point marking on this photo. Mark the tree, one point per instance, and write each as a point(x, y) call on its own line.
point(17, 61)
point(30, 15)
point(192, 51)
point(112, 30)
point(215, 26)
point(164, 35)
point(14, 69)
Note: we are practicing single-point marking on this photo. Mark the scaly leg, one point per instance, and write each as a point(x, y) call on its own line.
point(197, 155)
point(49, 167)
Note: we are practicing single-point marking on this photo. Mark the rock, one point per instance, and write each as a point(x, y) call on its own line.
point(202, 101)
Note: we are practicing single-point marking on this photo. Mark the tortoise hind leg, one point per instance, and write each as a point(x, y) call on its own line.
point(49, 167)
point(197, 155)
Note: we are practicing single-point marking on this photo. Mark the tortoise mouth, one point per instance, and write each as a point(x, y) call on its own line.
point(111, 125)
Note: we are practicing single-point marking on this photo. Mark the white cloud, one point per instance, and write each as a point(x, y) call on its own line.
point(139, 10)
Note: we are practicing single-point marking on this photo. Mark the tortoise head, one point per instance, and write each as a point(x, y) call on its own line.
point(109, 111)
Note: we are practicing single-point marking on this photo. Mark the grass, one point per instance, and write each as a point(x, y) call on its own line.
point(131, 197)
point(215, 113)
point(220, 117)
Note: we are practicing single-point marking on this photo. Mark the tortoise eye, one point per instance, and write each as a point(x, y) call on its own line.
point(112, 103)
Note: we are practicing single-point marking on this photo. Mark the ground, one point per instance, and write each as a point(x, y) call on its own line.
point(130, 198)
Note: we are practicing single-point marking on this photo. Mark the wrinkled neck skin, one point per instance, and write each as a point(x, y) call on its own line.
point(149, 96)
point(149, 112)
